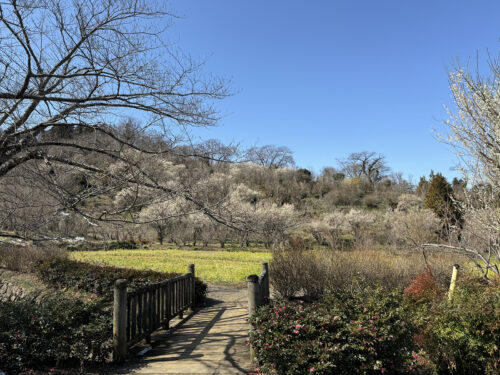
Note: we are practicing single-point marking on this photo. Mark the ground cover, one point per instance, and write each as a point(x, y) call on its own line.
point(211, 266)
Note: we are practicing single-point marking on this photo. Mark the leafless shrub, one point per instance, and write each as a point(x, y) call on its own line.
point(296, 270)
point(360, 222)
point(25, 258)
point(285, 269)
point(392, 270)
point(310, 274)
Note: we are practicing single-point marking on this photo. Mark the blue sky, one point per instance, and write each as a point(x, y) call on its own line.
point(327, 78)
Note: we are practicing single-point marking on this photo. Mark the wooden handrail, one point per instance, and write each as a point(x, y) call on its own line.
point(138, 313)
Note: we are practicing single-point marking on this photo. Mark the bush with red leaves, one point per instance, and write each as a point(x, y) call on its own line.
point(424, 288)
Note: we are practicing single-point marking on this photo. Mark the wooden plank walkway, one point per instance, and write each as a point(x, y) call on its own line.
point(211, 341)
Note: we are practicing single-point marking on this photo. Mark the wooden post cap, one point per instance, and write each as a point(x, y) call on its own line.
point(121, 283)
point(253, 279)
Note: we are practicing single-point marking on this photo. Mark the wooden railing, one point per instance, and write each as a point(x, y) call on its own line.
point(138, 313)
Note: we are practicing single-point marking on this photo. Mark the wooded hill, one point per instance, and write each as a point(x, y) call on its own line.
point(215, 193)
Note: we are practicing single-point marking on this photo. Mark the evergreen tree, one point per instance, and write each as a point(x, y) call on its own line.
point(439, 198)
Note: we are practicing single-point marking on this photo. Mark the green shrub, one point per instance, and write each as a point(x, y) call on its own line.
point(462, 336)
point(98, 245)
point(56, 331)
point(91, 278)
point(115, 245)
point(365, 332)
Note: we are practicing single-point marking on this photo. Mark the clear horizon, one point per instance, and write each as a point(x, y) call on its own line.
point(330, 78)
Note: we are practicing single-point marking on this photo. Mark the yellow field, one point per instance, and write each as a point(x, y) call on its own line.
point(211, 266)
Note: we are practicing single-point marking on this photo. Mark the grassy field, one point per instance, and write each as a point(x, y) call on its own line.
point(211, 266)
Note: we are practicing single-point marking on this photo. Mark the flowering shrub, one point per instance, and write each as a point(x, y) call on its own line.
point(364, 333)
point(56, 331)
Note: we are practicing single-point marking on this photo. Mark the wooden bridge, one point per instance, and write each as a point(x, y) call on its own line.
point(211, 340)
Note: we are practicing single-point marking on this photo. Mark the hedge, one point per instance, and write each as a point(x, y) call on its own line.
point(99, 280)
point(58, 331)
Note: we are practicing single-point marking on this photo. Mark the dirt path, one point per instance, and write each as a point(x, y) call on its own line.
point(211, 341)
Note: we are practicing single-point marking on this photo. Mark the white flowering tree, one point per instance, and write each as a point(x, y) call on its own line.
point(165, 217)
point(360, 223)
point(412, 227)
point(329, 228)
point(273, 222)
point(241, 205)
point(409, 202)
point(474, 131)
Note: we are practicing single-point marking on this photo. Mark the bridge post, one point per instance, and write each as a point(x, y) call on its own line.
point(253, 302)
point(192, 294)
point(120, 321)
point(265, 283)
point(253, 293)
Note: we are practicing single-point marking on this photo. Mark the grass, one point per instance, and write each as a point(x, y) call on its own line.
point(211, 266)
point(234, 265)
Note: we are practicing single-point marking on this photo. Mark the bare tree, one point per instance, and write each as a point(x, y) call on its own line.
point(271, 156)
point(215, 153)
point(366, 165)
point(69, 71)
